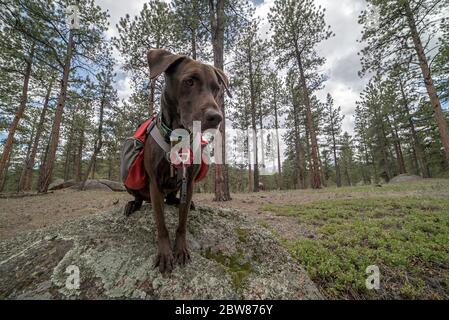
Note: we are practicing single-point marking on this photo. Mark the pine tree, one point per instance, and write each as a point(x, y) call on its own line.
point(275, 94)
point(347, 155)
point(332, 130)
point(248, 67)
point(399, 31)
point(226, 19)
point(191, 27)
point(90, 46)
point(152, 28)
point(107, 96)
point(298, 28)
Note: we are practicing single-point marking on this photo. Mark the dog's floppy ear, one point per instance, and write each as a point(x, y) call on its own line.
point(224, 80)
point(160, 60)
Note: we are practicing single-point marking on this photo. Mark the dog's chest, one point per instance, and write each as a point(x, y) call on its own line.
point(170, 179)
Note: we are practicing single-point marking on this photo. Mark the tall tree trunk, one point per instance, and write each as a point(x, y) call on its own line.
point(250, 170)
point(262, 144)
point(78, 164)
point(430, 87)
point(70, 151)
point(309, 169)
point(28, 180)
point(323, 179)
point(278, 149)
point(299, 152)
point(193, 44)
point(98, 143)
point(337, 166)
point(397, 148)
point(5, 176)
point(152, 94)
point(316, 177)
point(41, 176)
point(153, 87)
point(348, 176)
point(417, 147)
point(54, 138)
point(68, 154)
point(217, 17)
point(20, 185)
point(19, 112)
point(110, 165)
point(253, 126)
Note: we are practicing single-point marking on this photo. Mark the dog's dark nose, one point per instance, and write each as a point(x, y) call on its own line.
point(213, 117)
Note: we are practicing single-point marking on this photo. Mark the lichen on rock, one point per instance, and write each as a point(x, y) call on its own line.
point(231, 259)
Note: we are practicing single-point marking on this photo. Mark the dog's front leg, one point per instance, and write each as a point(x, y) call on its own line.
point(164, 259)
point(182, 254)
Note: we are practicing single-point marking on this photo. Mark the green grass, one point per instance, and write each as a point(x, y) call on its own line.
point(429, 185)
point(406, 237)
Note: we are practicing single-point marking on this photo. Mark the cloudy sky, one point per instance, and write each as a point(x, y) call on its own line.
point(342, 62)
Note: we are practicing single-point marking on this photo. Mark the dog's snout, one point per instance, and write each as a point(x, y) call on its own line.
point(213, 117)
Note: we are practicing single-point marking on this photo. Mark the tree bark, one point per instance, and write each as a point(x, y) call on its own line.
point(217, 26)
point(54, 138)
point(278, 149)
point(22, 174)
point(28, 180)
point(193, 44)
point(299, 154)
point(253, 125)
point(337, 166)
point(418, 150)
point(316, 176)
point(19, 113)
point(152, 94)
point(98, 143)
point(397, 148)
point(5, 176)
point(430, 87)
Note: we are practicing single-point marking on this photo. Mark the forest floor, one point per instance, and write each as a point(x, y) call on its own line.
point(334, 233)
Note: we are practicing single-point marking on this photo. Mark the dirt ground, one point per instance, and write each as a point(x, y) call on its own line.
point(34, 212)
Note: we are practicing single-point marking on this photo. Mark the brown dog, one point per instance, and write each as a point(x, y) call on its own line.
point(190, 94)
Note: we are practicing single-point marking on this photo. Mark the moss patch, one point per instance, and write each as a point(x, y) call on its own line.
point(237, 265)
point(242, 234)
point(406, 237)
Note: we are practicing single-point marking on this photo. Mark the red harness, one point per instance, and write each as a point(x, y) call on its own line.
point(137, 178)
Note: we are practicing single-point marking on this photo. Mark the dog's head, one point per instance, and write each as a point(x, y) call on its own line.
point(191, 87)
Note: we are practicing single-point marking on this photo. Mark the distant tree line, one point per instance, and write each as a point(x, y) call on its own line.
point(62, 116)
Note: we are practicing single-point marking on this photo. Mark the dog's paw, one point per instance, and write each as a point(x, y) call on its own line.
point(182, 256)
point(165, 261)
point(130, 207)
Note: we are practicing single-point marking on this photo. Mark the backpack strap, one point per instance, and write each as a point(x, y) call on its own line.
point(154, 131)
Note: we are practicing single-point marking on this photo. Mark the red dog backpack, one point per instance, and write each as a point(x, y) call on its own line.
point(132, 169)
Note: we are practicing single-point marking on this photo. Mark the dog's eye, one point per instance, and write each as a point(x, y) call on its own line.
point(189, 82)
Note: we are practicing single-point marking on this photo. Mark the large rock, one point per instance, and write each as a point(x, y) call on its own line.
point(405, 178)
point(113, 185)
point(61, 184)
point(231, 259)
point(92, 185)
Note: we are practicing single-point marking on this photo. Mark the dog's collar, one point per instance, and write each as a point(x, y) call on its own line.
point(164, 129)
